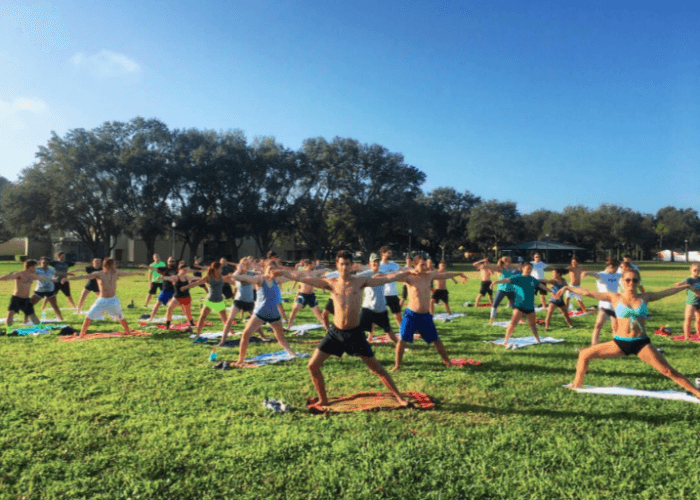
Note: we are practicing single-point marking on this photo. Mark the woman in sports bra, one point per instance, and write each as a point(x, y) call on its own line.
point(631, 338)
point(214, 301)
point(267, 298)
point(182, 295)
point(557, 283)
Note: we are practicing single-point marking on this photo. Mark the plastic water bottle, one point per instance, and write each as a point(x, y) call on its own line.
point(213, 356)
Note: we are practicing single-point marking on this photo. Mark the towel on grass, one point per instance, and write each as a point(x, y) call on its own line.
point(271, 358)
point(520, 342)
point(369, 401)
point(39, 329)
point(307, 326)
point(447, 317)
point(579, 313)
point(462, 362)
point(628, 391)
point(385, 339)
point(180, 326)
point(104, 335)
point(144, 317)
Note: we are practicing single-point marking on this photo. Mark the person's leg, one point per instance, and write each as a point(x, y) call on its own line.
point(599, 322)
point(253, 324)
point(400, 346)
point(398, 318)
point(531, 321)
point(293, 314)
point(317, 313)
point(81, 301)
point(84, 329)
point(169, 313)
point(440, 347)
point(66, 291)
point(447, 307)
point(43, 306)
point(125, 325)
point(598, 351)
point(281, 339)
point(8, 320)
point(500, 295)
point(154, 311)
point(687, 320)
point(54, 305)
point(581, 306)
point(324, 319)
point(697, 321)
point(431, 307)
point(542, 299)
point(514, 320)
point(384, 376)
point(223, 317)
point(651, 355)
point(228, 323)
point(548, 318)
point(490, 297)
point(283, 314)
point(567, 318)
point(200, 323)
point(314, 368)
point(478, 298)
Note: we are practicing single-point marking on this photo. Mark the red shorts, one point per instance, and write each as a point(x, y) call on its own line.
point(185, 301)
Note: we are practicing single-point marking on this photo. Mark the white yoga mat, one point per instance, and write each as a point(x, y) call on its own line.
point(520, 342)
point(628, 391)
point(447, 317)
point(306, 327)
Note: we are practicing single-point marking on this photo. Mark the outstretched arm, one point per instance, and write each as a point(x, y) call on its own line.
point(90, 276)
point(652, 296)
point(605, 296)
point(9, 276)
point(446, 275)
point(303, 278)
point(129, 273)
point(383, 279)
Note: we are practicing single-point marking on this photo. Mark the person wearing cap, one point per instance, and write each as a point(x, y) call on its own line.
point(374, 310)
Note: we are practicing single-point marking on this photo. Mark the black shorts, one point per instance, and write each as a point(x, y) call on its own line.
point(485, 288)
point(46, 295)
point(243, 306)
point(268, 320)
point(607, 311)
point(542, 292)
point(392, 302)
point(227, 291)
point(441, 296)
point(20, 304)
point(307, 299)
point(63, 287)
point(329, 306)
point(557, 302)
point(353, 342)
point(632, 346)
point(525, 311)
point(154, 288)
point(368, 318)
point(92, 286)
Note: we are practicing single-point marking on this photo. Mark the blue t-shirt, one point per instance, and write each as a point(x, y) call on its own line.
point(506, 273)
point(525, 287)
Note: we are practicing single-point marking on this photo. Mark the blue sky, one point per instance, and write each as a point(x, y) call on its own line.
point(547, 104)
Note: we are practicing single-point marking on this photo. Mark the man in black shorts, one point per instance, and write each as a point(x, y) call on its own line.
point(346, 334)
point(62, 284)
point(90, 285)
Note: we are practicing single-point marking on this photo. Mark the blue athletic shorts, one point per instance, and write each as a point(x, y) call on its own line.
point(418, 322)
point(165, 297)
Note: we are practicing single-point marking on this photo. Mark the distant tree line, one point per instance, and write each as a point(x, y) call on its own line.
point(140, 177)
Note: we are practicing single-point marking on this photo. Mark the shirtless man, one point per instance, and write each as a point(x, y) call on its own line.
point(485, 274)
point(374, 311)
point(305, 297)
point(346, 334)
point(417, 316)
point(107, 302)
point(440, 293)
point(20, 301)
point(91, 285)
point(62, 284)
point(390, 292)
point(575, 273)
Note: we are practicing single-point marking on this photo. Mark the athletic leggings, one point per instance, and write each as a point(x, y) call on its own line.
point(500, 294)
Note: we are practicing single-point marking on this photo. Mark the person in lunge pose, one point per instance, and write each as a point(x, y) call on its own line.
point(20, 301)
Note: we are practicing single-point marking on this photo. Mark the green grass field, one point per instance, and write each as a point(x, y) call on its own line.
point(148, 418)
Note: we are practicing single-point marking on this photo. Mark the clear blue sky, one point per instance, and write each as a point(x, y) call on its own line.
point(547, 104)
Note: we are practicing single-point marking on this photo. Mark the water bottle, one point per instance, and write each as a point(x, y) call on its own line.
point(213, 356)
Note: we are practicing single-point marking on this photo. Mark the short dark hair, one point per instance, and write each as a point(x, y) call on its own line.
point(384, 249)
point(29, 263)
point(107, 262)
point(611, 262)
point(343, 254)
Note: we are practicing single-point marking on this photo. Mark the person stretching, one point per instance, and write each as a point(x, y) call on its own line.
point(20, 301)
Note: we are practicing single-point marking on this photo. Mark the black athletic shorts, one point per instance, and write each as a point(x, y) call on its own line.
point(353, 342)
point(558, 302)
point(542, 292)
point(329, 306)
point(369, 317)
point(609, 312)
point(46, 295)
point(525, 311)
point(92, 286)
point(244, 306)
point(632, 346)
point(155, 287)
point(227, 291)
point(485, 288)
point(20, 304)
point(392, 302)
point(63, 287)
point(441, 296)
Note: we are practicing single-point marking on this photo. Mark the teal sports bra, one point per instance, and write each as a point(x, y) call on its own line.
point(634, 315)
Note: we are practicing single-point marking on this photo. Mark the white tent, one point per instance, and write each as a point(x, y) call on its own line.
point(665, 256)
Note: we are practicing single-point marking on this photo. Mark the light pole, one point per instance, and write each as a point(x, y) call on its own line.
point(172, 240)
point(410, 234)
point(686, 249)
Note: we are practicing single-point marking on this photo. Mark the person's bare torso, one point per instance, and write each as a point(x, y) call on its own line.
point(107, 282)
point(306, 289)
point(347, 301)
point(441, 284)
point(485, 274)
point(419, 292)
point(23, 285)
point(575, 276)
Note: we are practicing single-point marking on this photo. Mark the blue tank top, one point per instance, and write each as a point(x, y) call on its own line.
point(506, 273)
point(267, 299)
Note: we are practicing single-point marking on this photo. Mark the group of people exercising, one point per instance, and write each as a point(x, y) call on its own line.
point(362, 296)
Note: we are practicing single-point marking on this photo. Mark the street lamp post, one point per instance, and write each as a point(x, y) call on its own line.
point(410, 234)
point(686, 249)
point(172, 240)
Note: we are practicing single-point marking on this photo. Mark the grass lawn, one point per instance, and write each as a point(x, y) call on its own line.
point(147, 417)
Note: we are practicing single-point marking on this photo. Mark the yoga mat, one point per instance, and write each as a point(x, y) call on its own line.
point(385, 339)
point(306, 327)
point(107, 335)
point(628, 391)
point(180, 326)
point(447, 317)
point(462, 362)
point(520, 342)
point(369, 401)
